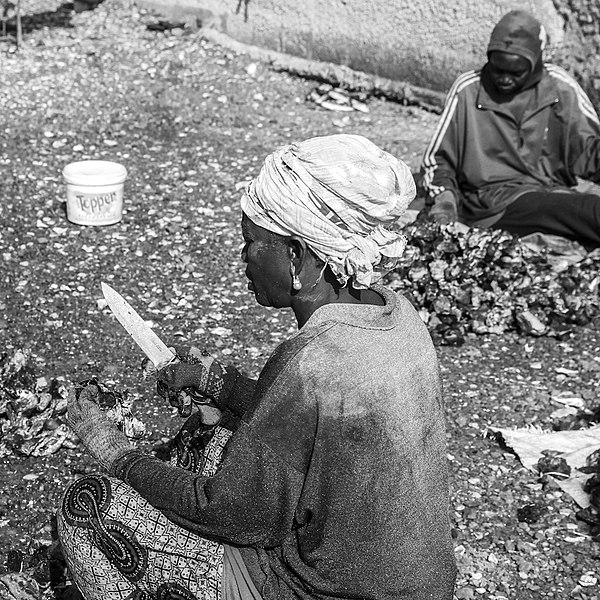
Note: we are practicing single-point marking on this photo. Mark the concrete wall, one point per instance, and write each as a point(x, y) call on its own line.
point(580, 51)
point(424, 42)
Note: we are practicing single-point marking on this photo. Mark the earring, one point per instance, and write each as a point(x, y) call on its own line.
point(296, 283)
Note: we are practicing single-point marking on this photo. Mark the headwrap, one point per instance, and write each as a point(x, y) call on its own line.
point(338, 193)
point(520, 33)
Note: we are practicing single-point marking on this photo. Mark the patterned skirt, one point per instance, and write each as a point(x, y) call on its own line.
point(118, 546)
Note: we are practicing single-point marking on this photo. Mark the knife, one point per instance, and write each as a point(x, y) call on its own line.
point(157, 352)
point(152, 346)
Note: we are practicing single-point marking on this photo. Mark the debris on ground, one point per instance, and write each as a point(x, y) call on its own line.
point(164, 25)
point(33, 410)
point(336, 99)
point(192, 119)
point(38, 573)
point(19, 586)
point(481, 281)
point(552, 463)
point(530, 513)
point(571, 457)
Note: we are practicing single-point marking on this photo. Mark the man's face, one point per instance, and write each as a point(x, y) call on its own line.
point(508, 72)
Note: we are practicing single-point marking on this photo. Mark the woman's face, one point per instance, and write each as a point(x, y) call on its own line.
point(268, 265)
point(508, 72)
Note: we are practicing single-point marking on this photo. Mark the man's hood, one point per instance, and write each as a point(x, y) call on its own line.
point(520, 33)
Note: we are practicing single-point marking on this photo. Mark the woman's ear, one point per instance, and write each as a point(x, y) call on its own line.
point(297, 252)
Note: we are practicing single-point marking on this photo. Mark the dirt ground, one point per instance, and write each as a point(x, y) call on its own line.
point(192, 122)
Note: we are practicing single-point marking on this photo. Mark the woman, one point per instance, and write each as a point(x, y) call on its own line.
point(333, 484)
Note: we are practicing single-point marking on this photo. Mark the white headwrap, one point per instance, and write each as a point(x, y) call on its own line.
point(338, 193)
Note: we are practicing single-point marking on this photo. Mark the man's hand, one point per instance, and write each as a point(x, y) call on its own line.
point(101, 437)
point(445, 208)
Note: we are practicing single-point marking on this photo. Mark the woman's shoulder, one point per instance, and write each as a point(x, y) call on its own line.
point(287, 358)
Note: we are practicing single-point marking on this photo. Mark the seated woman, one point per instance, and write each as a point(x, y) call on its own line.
point(334, 483)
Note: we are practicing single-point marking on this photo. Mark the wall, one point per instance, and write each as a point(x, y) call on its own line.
point(580, 52)
point(424, 42)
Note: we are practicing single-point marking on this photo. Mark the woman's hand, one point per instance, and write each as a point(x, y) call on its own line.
point(179, 375)
point(101, 437)
point(172, 382)
point(196, 375)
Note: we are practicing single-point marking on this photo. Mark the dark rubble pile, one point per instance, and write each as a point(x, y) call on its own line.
point(33, 410)
point(482, 281)
point(591, 514)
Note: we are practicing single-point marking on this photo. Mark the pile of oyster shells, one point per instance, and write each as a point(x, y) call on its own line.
point(481, 281)
point(33, 410)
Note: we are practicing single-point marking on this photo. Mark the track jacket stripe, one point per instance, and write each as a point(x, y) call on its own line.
point(429, 162)
point(587, 108)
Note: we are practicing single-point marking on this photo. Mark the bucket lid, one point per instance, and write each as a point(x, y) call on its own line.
point(94, 172)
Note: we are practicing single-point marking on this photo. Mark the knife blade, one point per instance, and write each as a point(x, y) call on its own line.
point(152, 346)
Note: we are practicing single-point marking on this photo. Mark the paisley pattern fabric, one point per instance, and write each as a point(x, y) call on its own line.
point(118, 546)
point(198, 448)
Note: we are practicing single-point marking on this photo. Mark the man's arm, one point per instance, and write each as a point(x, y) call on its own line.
point(441, 158)
point(439, 165)
point(583, 157)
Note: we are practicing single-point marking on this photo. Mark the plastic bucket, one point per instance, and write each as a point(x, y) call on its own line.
point(94, 192)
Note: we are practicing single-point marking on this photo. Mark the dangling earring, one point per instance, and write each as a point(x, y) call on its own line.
point(296, 283)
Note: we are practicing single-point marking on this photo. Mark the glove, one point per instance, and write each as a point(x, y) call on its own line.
point(101, 438)
point(197, 372)
point(444, 209)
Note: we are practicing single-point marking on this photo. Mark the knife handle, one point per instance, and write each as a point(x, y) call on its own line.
point(195, 397)
point(186, 397)
point(211, 415)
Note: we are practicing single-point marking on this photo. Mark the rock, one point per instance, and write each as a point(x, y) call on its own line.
point(19, 586)
point(15, 560)
point(530, 513)
point(587, 580)
point(465, 593)
point(83, 5)
point(552, 463)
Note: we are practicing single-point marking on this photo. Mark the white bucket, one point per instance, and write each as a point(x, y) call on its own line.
point(94, 192)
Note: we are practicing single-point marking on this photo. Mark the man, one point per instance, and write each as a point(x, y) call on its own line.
point(512, 141)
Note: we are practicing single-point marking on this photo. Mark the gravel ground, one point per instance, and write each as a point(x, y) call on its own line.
point(191, 122)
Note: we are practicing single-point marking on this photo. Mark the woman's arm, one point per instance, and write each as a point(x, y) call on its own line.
point(238, 396)
point(200, 373)
point(252, 497)
point(250, 500)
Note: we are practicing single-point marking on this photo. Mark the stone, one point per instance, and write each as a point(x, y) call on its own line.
point(465, 593)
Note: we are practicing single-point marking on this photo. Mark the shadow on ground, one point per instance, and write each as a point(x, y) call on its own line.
point(60, 17)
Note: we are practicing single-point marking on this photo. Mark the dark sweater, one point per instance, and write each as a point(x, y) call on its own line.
point(334, 484)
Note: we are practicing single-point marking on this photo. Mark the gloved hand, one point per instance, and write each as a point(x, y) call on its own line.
point(195, 371)
point(101, 438)
point(445, 208)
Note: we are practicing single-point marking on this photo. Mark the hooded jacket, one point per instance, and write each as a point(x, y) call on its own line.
point(488, 157)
